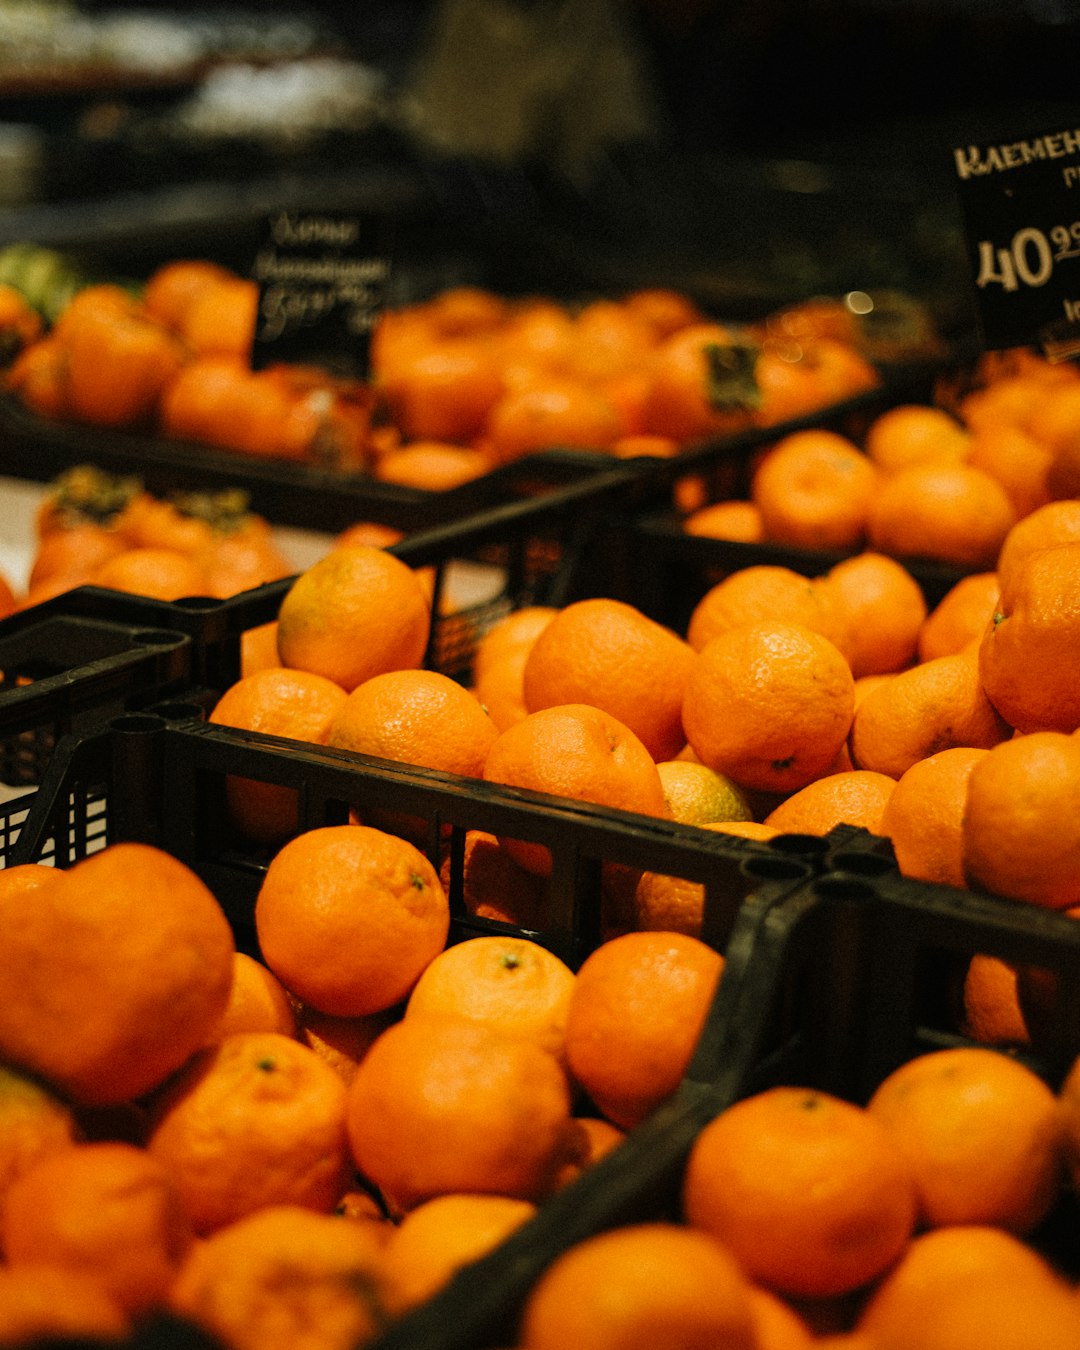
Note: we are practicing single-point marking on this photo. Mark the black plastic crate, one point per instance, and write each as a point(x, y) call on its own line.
point(92, 653)
point(830, 986)
point(63, 671)
point(306, 496)
point(669, 570)
point(159, 777)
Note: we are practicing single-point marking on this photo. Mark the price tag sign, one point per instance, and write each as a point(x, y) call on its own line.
point(1021, 206)
point(322, 285)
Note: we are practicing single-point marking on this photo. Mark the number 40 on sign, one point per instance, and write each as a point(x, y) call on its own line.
point(1029, 258)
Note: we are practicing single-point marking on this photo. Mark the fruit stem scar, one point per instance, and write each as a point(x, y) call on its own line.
point(510, 961)
point(780, 764)
point(266, 1065)
point(417, 880)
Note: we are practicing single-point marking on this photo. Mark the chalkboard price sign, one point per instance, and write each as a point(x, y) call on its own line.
point(1021, 205)
point(322, 285)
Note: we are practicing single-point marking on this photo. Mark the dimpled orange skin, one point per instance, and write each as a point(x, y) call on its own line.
point(770, 705)
point(348, 916)
point(441, 1105)
point(610, 654)
point(355, 613)
point(1028, 653)
point(1021, 821)
point(123, 966)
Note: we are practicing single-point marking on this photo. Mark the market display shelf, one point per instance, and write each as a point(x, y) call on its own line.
point(830, 986)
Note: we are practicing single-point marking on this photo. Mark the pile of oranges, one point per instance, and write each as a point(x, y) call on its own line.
point(298, 1149)
point(457, 384)
point(942, 481)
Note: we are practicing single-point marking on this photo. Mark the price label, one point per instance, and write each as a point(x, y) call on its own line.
point(1021, 207)
point(322, 286)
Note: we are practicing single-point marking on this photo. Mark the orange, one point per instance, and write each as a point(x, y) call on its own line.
point(924, 815)
point(443, 1104)
point(555, 412)
point(698, 795)
point(576, 751)
point(795, 378)
point(444, 392)
point(499, 662)
point(342, 1042)
point(663, 309)
point(916, 433)
point(638, 1287)
point(853, 797)
point(34, 1123)
point(348, 916)
point(221, 317)
point(1009, 1314)
point(162, 573)
point(808, 1191)
point(776, 1323)
point(108, 1210)
point(439, 1236)
point(537, 341)
point(276, 701)
point(938, 1262)
point(611, 339)
point(432, 466)
point(740, 521)
point(54, 1303)
point(170, 288)
point(1019, 462)
point(745, 829)
point(1047, 526)
point(1028, 651)
point(922, 711)
point(493, 886)
point(769, 705)
point(591, 1138)
point(284, 1278)
point(960, 616)
point(764, 591)
point(1021, 831)
point(510, 984)
point(813, 489)
point(415, 717)
point(257, 1002)
point(980, 1133)
point(257, 1119)
point(466, 309)
point(1012, 400)
point(667, 904)
point(884, 609)
point(355, 613)
point(123, 966)
point(609, 654)
point(992, 1011)
point(691, 395)
point(950, 513)
point(649, 993)
point(116, 366)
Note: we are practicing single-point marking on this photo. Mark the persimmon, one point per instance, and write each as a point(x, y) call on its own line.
point(116, 366)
